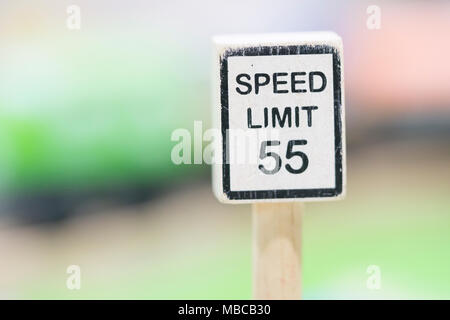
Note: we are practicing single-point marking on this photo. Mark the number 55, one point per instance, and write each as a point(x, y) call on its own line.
point(289, 154)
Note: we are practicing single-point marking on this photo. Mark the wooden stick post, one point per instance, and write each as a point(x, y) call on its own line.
point(277, 250)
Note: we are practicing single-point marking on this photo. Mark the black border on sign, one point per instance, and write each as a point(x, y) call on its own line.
point(270, 51)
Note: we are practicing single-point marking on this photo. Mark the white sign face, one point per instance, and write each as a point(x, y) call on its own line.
point(282, 123)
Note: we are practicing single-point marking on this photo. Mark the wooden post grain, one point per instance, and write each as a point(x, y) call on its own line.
point(277, 250)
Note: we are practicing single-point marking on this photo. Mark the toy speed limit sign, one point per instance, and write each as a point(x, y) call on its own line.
point(278, 101)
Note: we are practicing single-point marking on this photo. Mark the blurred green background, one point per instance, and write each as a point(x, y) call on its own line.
point(86, 177)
